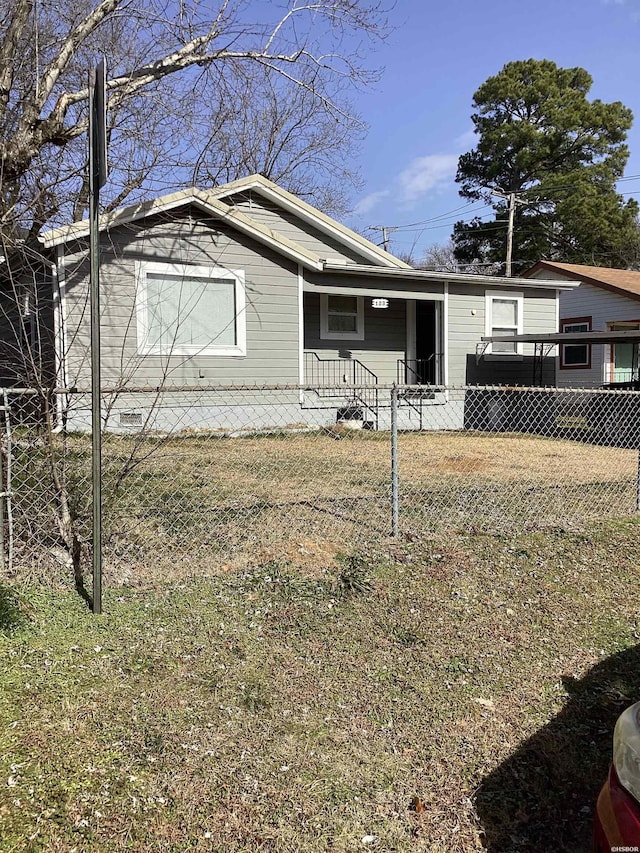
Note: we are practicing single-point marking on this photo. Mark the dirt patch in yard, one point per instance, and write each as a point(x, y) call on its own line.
point(196, 505)
point(512, 457)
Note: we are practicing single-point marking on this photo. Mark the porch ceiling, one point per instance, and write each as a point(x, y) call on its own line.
point(353, 290)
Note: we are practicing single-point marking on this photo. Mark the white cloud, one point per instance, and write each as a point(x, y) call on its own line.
point(425, 174)
point(367, 204)
point(428, 174)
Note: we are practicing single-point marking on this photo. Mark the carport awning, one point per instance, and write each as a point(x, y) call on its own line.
point(629, 336)
point(544, 343)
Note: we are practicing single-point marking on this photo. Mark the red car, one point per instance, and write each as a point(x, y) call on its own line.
point(617, 820)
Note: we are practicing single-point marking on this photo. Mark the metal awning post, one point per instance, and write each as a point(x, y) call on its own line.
point(481, 348)
point(537, 364)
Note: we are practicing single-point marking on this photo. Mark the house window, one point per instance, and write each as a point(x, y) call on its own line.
point(503, 316)
point(341, 317)
point(188, 310)
point(575, 356)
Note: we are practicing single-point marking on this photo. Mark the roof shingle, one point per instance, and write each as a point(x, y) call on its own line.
point(624, 281)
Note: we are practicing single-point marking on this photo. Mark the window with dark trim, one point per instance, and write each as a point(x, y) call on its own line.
point(575, 356)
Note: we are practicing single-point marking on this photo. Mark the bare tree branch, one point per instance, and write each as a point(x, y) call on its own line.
point(312, 45)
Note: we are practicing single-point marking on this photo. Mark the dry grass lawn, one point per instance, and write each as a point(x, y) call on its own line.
point(237, 501)
point(448, 692)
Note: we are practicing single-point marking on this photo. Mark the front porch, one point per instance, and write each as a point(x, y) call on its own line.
point(361, 401)
point(369, 340)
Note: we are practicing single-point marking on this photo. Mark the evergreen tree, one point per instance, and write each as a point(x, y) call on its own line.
point(541, 138)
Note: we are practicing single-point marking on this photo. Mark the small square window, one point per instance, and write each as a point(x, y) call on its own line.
point(341, 317)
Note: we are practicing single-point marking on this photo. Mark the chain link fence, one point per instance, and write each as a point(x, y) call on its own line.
point(199, 480)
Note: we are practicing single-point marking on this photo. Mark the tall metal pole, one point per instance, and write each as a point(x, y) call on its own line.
point(96, 426)
point(2, 499)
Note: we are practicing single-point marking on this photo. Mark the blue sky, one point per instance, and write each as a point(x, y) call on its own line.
point(437, 56)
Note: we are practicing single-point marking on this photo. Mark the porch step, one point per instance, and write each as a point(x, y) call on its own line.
point(417, 394)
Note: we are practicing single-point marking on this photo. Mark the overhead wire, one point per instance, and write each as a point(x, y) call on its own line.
point(407, 227)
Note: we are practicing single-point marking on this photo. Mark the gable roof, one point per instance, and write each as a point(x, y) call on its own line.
point(384, 265)
point(625, 282)
point(211, 202)
point(288, 201)
point(202, 201)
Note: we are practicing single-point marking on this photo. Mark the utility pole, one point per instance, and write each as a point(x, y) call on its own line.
point(512, 199)
point(512, 210)
point(386, 230)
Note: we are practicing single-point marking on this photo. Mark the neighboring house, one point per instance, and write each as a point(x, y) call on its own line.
point(607, 300)
point(246, 284)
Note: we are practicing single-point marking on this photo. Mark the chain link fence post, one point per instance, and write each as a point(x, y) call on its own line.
point(638, 484)
point(8, 478)
point(394, 461)
point(3, 443)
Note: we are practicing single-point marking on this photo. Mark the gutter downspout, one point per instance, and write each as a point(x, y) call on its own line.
point(445, 335)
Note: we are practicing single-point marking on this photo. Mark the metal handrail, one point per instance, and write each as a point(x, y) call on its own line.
point(334, 371)
point(419, 371)
point(344, 371)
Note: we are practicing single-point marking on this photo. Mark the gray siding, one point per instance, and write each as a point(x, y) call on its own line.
point(384, 342)
point(290, 226)
point(271, 315)
point(466, 330)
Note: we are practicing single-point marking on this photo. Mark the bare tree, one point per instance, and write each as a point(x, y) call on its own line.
point(205, 90)
point(179, 74)
point(441, 258)
point(285, 134)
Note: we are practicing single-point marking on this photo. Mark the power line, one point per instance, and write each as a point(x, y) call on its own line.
point(414, 227)
point(425, 221)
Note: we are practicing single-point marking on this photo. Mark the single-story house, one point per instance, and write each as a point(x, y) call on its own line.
point(606, 301)
point(246, 284)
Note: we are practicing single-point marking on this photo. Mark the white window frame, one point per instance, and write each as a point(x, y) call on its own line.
point(146, 347)
point(512, 296)
point(326, 334)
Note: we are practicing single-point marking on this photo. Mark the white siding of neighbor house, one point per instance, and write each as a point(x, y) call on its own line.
point(604, 307)
point(467, 328)
point(277, 219)
point(271, 284)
